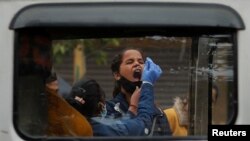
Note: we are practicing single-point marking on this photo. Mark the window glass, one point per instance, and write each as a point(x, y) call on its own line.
point(193, 67)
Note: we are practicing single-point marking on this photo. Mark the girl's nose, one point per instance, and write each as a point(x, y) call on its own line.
point(136, 63)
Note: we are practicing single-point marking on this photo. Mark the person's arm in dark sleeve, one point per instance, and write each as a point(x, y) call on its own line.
point(139, 125)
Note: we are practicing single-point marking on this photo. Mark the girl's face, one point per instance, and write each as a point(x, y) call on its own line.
point(132, 61)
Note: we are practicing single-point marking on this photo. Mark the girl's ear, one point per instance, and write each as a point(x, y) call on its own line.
point(116, 75)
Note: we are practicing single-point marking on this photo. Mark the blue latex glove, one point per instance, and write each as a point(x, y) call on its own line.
point(151, 71)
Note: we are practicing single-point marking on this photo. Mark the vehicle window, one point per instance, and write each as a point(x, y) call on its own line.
point(194, 67)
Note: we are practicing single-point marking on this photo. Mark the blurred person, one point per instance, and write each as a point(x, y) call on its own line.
point(62, 118)
point(216, 113)
point(178, 117)
point(215, 94)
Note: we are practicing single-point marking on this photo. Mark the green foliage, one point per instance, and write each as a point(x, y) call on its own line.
point(101, 58)
point(112, 42)
point(92, 48)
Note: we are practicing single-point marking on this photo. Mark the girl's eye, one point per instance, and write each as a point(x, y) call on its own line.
point(141, 62)
point(129, 62)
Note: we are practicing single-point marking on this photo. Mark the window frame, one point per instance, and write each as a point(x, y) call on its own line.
point(170, 22)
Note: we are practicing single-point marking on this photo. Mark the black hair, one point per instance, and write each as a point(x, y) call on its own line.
point(90, 91)
point(115, 67)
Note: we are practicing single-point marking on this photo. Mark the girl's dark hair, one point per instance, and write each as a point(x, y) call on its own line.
point(115, 67)
point(90, 91)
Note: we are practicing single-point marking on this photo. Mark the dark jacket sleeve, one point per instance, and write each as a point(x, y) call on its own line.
point(142, 123)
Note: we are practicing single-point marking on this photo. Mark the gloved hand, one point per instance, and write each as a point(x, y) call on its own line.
point(151, 71)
